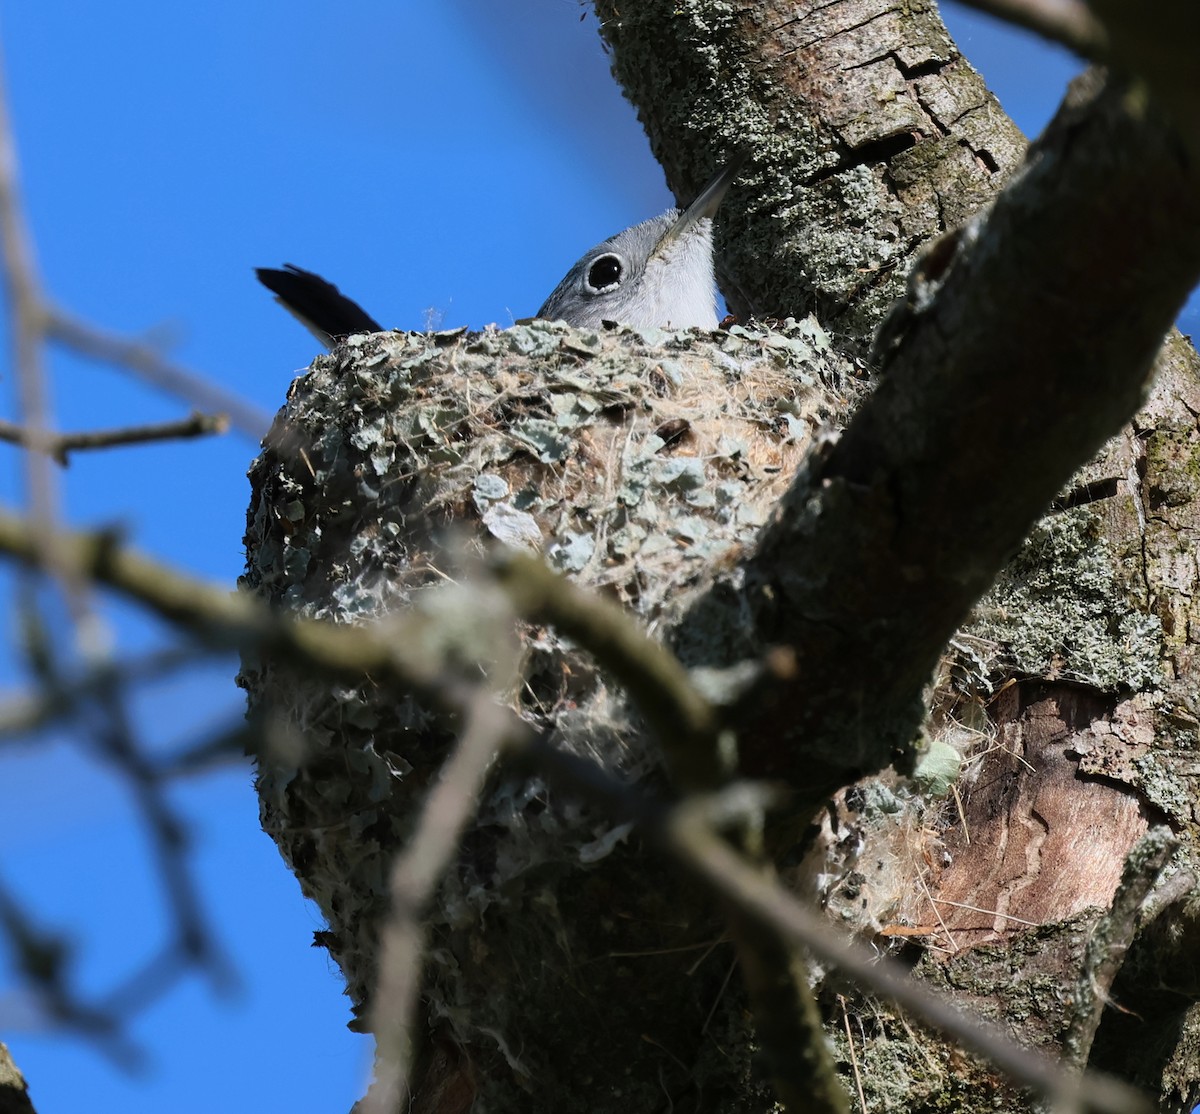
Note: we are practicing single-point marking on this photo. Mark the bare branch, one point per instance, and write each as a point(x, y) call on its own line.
point(59, 445)
point(152, 368)
point(24, 289)
point(687, 833)
point(193, 943)
point(43, 959)
point(36, 320)
point(1112, 937)
point(685, 723)
point(232, 744)
point(28, 327)
point(787, 1020)
point(1160, 52)
point(23, 713)
point(391, 652)
point(415, 875)
point(103, 713)
point(213, 613)
point(887, 540)
point(688, 729)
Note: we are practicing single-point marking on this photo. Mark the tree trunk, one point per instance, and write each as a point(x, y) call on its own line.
point(571, 967)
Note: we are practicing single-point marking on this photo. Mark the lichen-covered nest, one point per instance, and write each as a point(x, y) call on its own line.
point(625, 458)
point(637, 463)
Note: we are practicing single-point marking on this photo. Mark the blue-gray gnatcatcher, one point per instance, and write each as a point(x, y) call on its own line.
point(655, 274)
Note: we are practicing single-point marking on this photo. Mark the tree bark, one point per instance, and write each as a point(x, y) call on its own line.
point(861, 108)
point(569, 967)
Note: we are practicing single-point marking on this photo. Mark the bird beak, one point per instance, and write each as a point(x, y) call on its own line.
point(706, 204)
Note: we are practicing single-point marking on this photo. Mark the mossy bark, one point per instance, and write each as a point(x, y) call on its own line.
point(869, 134)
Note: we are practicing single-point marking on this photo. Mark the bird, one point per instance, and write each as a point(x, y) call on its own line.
point(656, 274)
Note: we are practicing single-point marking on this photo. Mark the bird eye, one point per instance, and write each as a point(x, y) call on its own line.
point(604, 274)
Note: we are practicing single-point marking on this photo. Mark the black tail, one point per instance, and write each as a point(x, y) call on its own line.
point(318, 305)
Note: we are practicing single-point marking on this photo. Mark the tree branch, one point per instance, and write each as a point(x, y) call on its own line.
point(344, 651)
point(689, 836)
point(232, 620)
point(59, 445)
point(1159, 51)
point(415, 875)
point(844, 106)
point(23, 714)
point(989, 403)
point(147, 364)
point(1111, 938)
point(1069, 22)
point(685, 723)
point(28, 337)
point(689, 732)
point(14, 1093)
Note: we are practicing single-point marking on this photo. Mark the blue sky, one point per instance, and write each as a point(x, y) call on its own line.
point(443, 162)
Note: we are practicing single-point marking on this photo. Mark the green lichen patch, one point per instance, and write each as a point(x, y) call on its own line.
point(1173, 465)
point(1060, 610)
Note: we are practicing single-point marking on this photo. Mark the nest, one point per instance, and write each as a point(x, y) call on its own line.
point(638, 463)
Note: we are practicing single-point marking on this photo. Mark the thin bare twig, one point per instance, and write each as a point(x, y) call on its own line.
point(28, 328)
point(59, 445)
point(103, 713)
point(44, 958)
point(232, 744)
point(152, 368)
point(230, 620)
point(23, 285)
point(686, 724)
point(415, 876)
point(787, 1021)
point(862, 1100)
point(194, 944)
point(22, 713)
point(689, 731)
point(1069, 22)
point(36, 320)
